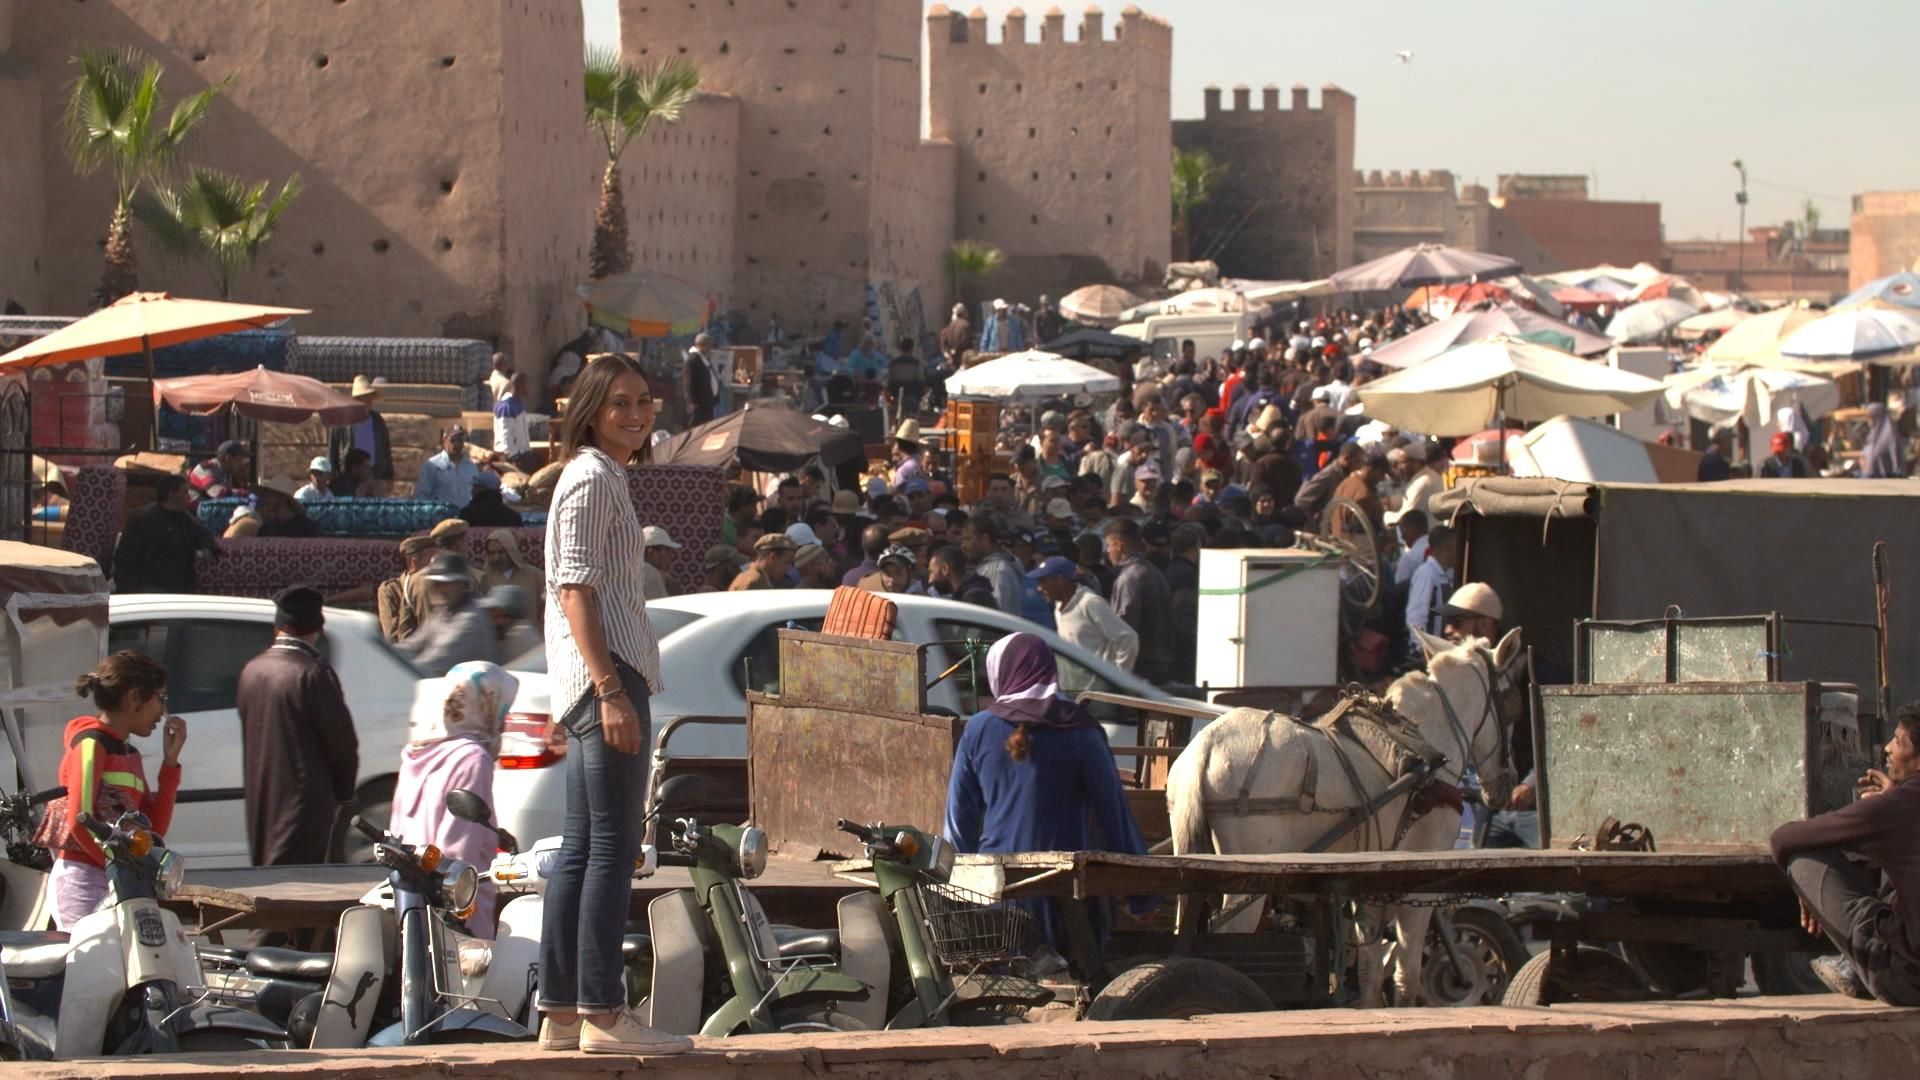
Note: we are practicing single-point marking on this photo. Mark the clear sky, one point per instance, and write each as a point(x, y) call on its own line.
point(1651, 100)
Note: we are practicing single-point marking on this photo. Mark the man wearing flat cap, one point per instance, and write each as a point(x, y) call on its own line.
point(297, 739)
point(395, 599)
point(772, 557)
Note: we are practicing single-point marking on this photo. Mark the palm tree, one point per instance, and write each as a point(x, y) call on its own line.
point(216, 216)
point(113, 117)
point(622, 103)
point(968, 261)
point(1196, 176)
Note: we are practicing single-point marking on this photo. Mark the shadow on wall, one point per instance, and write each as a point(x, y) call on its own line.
point(332, 253)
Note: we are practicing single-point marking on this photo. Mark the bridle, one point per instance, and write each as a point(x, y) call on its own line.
point(1496, 686)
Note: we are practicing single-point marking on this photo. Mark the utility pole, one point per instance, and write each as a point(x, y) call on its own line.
point(1740, 274)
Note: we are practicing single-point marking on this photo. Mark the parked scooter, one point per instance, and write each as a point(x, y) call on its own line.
point(949, 956)
point(24, 891)
point(764, 978)
point(126, 980)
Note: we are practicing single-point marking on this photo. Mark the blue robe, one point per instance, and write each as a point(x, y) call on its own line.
point(1065, 797)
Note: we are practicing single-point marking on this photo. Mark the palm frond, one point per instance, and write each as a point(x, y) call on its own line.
point(218, 216)
point(164, 215)
point(661, 93)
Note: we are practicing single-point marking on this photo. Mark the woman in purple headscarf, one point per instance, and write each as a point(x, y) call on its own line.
point(1033, 773)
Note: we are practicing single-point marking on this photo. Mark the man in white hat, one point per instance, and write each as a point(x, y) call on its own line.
point(1473, 611)
point(319, 485)
point(369, 435)
point(655, 580)
point(1423, 481)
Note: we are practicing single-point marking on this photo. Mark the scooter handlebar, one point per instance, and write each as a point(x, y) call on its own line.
point(47, 796)
point(856, 829)
point(368, 829)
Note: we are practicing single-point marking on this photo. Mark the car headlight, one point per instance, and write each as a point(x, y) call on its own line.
point(462, 887)
point(940, 863)
point(753, 852)
point(173, 873)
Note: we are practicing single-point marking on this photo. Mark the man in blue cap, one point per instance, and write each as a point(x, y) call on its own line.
point(1082, 617)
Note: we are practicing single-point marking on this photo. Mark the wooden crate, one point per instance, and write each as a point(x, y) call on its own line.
point(975, 425)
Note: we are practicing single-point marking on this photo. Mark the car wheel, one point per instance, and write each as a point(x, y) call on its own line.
point(373, 803)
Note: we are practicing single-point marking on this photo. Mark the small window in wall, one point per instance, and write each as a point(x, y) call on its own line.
point(1033, 133)
point(983, 88)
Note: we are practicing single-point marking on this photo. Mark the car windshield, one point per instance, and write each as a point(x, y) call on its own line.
point(666, 622)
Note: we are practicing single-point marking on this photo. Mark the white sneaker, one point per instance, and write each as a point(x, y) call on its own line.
point(629, 1036)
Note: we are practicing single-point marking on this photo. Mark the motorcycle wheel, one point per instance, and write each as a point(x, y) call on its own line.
point(1491, 947)
point(217, 1042)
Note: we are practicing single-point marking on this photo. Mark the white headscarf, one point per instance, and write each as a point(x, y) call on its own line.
point(1789, 419)
point(470, 702)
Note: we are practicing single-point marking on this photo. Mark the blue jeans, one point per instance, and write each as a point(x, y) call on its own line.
point(591, 883)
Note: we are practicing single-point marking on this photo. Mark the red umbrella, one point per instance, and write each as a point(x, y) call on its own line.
point(1463, 296)
point(260, 395)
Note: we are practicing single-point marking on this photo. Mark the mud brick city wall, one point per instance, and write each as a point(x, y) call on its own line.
point(1286, 206)
point(1063, 143)
point(1885, 235)
point(448, 179)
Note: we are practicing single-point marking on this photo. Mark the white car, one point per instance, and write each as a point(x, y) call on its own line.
point(708, 643)
point(204, 641)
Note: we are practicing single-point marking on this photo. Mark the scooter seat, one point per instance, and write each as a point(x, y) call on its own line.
point(796, 941)
point(223, 954)
point(290, 964)
point(41, 961)
point(634, 946)
point(18, 938)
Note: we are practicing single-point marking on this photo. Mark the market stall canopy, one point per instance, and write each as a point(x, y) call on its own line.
point(260, 394)
point(1669, 288)
point(1648, 320)
point(1089, 343)
point(1444, 300)
point(1510, 319)
point(142, 322)
point(1098, 305)
point(644, 304)
point(1719, 395)
point(1031, 376)
point(1464, 389)
point(765, 438)
point(1579, 449)
point(1422, 264)
point(1884, 335)
point(1756, 342)
point(1710, 322)
point(1897, 290)
point(1534, 293)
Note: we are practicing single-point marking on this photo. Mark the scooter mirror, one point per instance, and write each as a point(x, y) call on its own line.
point(680, 791)
point(467, 806)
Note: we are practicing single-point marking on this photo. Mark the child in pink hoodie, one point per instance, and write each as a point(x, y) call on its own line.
point(454, 737)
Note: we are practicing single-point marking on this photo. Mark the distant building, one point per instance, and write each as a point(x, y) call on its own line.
point(1885, 237)
point(1393, 210)
point(1285, 208)
point(1575, 230)
point(1774, 263)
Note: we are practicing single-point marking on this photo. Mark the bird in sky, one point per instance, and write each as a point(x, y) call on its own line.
point(1405, 56)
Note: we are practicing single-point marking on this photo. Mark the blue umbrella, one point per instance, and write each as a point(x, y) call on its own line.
point(1900, 290)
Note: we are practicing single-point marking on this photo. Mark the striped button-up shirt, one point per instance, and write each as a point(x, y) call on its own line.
point(593, 538)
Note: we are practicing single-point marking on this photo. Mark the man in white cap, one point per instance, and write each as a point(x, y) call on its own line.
point(1423, 481)
point(1473, 611)
point(369, 435)
point(656, 582)
point(1146, 482)
point(319, 485)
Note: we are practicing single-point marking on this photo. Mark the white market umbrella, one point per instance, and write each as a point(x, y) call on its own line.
point(1854, 334)
point(1895, 290)
point(1470, 388)
point(1756, 342)
point(1097, 305)
point(1709, 322)
point(1509, 318)
point(1031, 376)
point(1649, 320)
point(1715, 394)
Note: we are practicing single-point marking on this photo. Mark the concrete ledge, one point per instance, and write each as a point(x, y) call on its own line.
point(1820, 1036)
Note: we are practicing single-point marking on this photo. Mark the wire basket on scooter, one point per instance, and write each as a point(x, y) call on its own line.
point(970, 930)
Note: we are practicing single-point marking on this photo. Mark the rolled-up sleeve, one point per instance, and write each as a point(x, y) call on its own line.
point(580, 523)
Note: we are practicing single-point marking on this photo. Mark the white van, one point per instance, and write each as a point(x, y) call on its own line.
point(1212, 335)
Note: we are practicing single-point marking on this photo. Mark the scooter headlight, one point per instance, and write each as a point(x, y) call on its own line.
point(753, 852)
point(462, 887)
point(173, 872)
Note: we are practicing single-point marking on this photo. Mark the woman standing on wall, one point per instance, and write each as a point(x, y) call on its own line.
point(604, 663)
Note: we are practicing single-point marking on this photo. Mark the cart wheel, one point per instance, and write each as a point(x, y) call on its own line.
point(1597, 975)
point(1178, 989)
point(1346, 532)
point(1777, 973)
point(1491, 947)
point(1672, 969)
